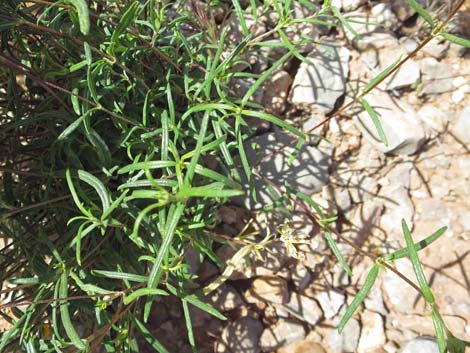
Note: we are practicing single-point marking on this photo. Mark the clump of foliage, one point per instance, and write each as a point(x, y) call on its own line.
point(121, 137)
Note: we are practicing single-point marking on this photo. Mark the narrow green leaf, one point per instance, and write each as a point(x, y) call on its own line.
point(77, 66)
point(439, 328)
point(299, 144)
point(286, 6)
point(75, 198)
point(336, 252)
point(454, 344)
point(403, 252)
point(457, 40)
point(292, 49)
point(143, 292)
point(422, 12)
point(194, 300)
point(224, 149)
point(115, 204)
point(149, 337)
point(145, 108)
point(197, 151)
point(242, 153)
point(211, 190)
point(126, 19)
point(75, 102)
point(100, 147)
point(120, 275)
point(271, 118)
point(171, 223)
point(345, 22)
point(135, 232)
point(189, 325)
point(306, 199)
point(211, 146)
point(141, 183)
point(96, 184)
point(360, 296)
point(234, 53)
point(240, 16)
point(72, 127)
point(146, 165)
point(83, 15)
point(30, 281)
point(377, 79)
point(263, 78)
point(88, 288)
point(211, 174)
point(78, 244)
point(206, 107)
point(65, 314)
point(417, 268)
point(375, 120)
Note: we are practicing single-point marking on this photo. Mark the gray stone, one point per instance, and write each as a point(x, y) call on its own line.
point(225, 298)
point(402, 10)
point(362, 187)
point(340, 277)
point(269, 289)
point(375, 301)
point(346, 342)
point(432, 209)
point(400, 296)
point(398, 206)
point(402, 127)
point(242, 335)
point(241, 85)
point(371, 34)
point(407, 43)
point(436, 48)
point(379, 60)
point(331, 302)
point(405, 76)
point(305, 346)
point(464, 219)
point(373, 333)
point(275, 92)
point(342, 199)
point(313, 252)
point(307, 29)
point(321, 84)
point(303, 308)
point(462, 308)
point(284, 332)
point(435, 119)
point(461, 127)
point(235, 32)
point(437, 76)
point(421, 345)
point(382, 13)
point(400, 175)
point(301, 277)
point(369, 159)
point(457, 50)
point(374, 39)
point(348, 5)
point(308, 173)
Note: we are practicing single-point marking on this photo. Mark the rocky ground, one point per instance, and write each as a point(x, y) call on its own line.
point(288, 304)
